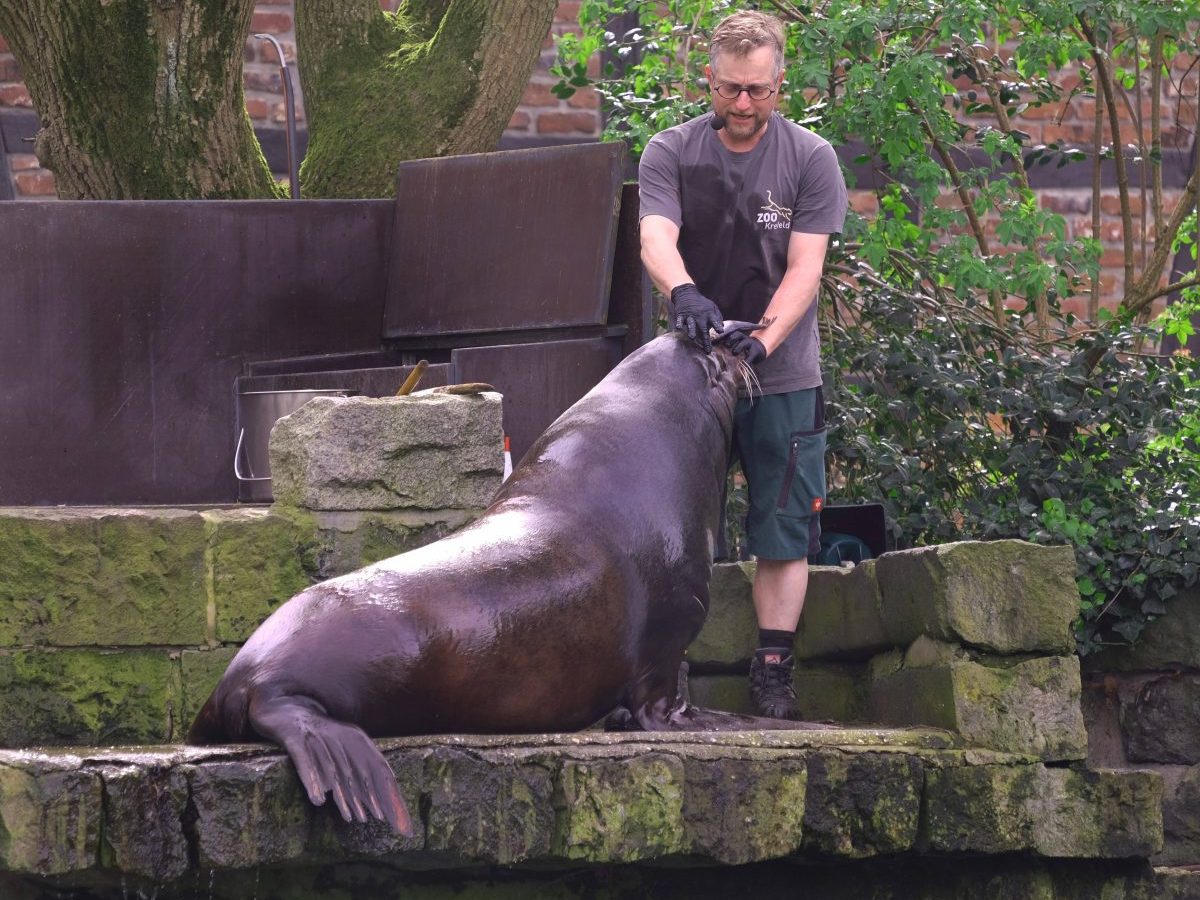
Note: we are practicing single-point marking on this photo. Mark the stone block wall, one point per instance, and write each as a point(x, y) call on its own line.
point(1142, 707)
point(116, 624)
point(974, 638)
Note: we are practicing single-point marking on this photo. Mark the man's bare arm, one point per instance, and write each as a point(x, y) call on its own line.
point(660, 253)
point(797, 290)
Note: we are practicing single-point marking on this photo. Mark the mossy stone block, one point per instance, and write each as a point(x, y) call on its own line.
point(143, 821)
point(831, 693)
point(730, 632)
point(1003, 596)
point(843, 615)
point(250, 812)
point(351, 540)
point(1097, 813)
point(200, 671)
point(1181, 815)
point(426, 451)
point(725, 692)
point(741, 811)
point(620, 810)
point(490, 809)
point(258, 563)
point(102, 577)
point(88, 697)
point(50, 815)
point(1066, 813)
point(862, 804)
point(1030, 707)
point(824, 693)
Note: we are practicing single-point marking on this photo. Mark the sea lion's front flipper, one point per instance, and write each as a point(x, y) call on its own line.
point(333, 757)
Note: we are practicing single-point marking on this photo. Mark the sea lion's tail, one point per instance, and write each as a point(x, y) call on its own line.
point(208, 727)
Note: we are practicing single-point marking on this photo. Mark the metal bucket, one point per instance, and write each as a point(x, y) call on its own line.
point(258, 411)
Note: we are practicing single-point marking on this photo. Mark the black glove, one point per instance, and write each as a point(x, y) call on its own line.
point(741, 342)
point(695, 314)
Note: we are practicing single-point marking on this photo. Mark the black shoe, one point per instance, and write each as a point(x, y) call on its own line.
point(771, 688)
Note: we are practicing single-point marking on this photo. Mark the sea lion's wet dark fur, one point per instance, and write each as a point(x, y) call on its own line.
point(575, 594)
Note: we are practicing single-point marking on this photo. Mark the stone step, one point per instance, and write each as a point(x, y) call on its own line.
point(587, 799)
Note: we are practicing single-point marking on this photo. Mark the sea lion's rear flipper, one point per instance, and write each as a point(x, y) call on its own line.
point(333, 757)
point(660, 702)
point(695, 718)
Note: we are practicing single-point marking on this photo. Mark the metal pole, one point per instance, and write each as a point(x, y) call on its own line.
point(290, 105)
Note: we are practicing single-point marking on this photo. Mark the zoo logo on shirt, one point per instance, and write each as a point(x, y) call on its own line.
point(773, 217)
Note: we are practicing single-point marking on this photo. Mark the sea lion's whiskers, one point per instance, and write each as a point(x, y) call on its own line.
point(749, 378)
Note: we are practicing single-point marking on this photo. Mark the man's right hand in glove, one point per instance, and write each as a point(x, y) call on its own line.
point(695, 314)
point(741, 342)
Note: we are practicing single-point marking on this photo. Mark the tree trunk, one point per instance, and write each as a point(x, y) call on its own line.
point(438, 77)
point(140, 99)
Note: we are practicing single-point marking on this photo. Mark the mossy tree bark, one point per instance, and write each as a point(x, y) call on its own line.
point(438, 77)
point(140, 99)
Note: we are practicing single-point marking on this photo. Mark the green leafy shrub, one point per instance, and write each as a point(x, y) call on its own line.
point(963, 434)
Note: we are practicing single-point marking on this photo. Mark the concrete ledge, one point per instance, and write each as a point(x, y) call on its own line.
point(569, 800)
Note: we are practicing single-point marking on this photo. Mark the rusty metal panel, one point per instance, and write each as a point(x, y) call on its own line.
point(503, 241)
point(538, 381)
point(124, 324)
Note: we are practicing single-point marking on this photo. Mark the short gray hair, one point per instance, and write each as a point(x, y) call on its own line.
point(745, 31)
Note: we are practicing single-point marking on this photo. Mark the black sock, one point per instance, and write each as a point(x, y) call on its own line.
point(768, 637)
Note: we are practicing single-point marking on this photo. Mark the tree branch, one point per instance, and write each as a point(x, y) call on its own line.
point(1172, 288)
point(1143, 291)
point(1106, 85)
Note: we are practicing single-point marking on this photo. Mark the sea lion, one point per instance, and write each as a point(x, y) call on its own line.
point(575, 594)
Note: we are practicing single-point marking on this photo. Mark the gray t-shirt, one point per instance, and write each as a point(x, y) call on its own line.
point(736, 212)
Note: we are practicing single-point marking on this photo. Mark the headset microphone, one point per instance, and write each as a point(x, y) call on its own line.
point(716, 123)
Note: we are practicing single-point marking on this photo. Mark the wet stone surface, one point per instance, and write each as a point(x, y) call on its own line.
point(586, 799)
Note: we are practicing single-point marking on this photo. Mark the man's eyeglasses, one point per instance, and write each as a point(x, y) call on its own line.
point(756, 91)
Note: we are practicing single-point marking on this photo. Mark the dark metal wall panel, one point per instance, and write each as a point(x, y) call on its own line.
point(539, 381)
point(630, 302)
point(503, 241)
point(124, 325)
point(380, 382)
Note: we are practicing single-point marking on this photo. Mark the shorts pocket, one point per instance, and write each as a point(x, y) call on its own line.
point(802, 493)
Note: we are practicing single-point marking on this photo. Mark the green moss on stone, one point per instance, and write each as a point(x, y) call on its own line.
point(862, 804)
point(730, 631)
point(1028, 707)
point(739, 810)
point(87, 697)
point(101, 578)
point(200, 671)
point(1062, 813)
point(621, 810)
point(250, 813)
point(1004, 596)
point(843, 617)
point(49, 819)
point(487, 808)
point(258, 563)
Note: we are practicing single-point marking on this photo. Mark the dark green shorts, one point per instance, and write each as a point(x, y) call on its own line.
point(780, 441)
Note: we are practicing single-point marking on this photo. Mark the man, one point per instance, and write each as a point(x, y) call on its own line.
point(737, 206)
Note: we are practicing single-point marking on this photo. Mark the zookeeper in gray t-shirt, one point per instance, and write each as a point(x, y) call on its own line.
point(737, 207)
